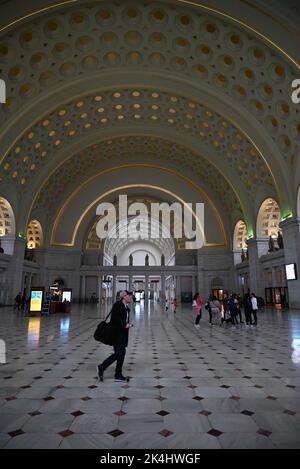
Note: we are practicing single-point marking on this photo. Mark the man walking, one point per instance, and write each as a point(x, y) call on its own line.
point(120, 321)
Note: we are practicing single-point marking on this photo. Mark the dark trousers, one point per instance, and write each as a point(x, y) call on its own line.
point(248, 316)
point(255, 315)
point(239, 314)
point(233, 317)
point(119, 356)
point(198, 317)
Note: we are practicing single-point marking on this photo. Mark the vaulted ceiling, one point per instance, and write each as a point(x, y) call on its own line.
point(180, 84)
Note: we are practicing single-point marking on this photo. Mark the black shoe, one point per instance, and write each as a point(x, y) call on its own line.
point(121, 378)
point(100, 372)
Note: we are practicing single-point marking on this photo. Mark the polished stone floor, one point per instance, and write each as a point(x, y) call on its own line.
point(212, 387)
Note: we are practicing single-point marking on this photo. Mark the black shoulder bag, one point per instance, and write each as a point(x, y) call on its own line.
point(105, 332)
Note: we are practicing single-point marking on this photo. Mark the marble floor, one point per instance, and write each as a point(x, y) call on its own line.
point(212, 387)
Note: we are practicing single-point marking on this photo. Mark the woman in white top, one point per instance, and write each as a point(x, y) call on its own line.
point(254, 308)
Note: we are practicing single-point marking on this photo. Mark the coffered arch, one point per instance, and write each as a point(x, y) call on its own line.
point(72, 220)
point(136, 149)
point(93, 242)
point(75, 124)
point(202, 52)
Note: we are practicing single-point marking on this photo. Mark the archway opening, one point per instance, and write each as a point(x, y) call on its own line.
point(142, 247)
point(240, 242)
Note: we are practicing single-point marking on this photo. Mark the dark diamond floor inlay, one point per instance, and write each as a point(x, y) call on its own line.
point(215, 432)
point(252, 401)
point(162, 413)
point(116, 433)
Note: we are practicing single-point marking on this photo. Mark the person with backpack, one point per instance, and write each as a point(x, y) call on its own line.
point(208, 308)
point(232, 309)
point(120, 323)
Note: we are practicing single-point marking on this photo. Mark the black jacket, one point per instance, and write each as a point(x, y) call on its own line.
point(119, 319)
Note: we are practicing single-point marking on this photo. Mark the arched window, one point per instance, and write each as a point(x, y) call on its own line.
point(7, 219)
point(240, 236)
point(239, 241)
point(7, 227)
point(268, 219)
point(34, 235)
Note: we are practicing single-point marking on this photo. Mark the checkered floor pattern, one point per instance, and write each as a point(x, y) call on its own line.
point(212, 387)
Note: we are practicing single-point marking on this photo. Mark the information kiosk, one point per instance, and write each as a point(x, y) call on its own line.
point(36, 300)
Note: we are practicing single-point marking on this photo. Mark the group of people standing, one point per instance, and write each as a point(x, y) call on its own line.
point(227, 310)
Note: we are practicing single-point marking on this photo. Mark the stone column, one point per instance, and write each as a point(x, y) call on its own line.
point(28, 284)
point(163, 288)
point(15, 269)
point(203, 291)
point(274, 278)
point(237, 259)
point(194, 286)
point(178, 287)
point(256, 248)
point(130, 283)
point(8, 244)
point(291, 239)
point(114, 290)
point(100, 289)
point(82, 295)
point(146, 288)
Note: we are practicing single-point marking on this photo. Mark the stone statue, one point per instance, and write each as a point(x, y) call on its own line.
point(243, 256)
point(115, 259)
point(29, 254)
point(271, 244)
point(147, 259)
point(130, 260)
point(280, 240)
point(162, 259)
